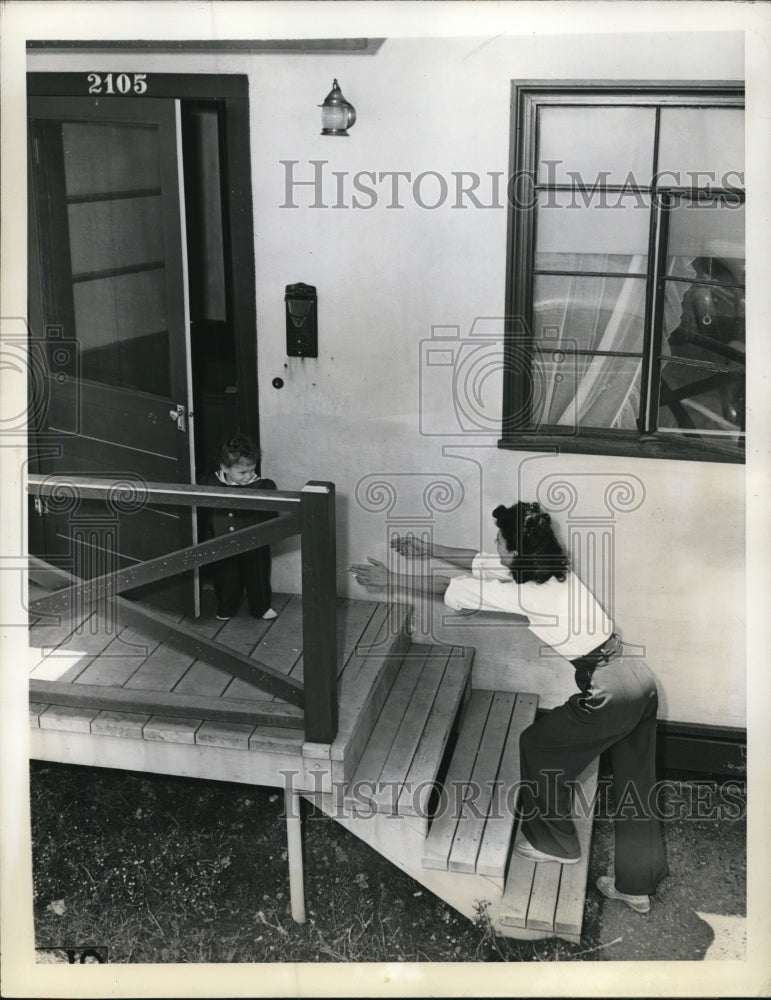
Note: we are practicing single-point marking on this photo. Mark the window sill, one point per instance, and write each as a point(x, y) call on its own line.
point(625, 444)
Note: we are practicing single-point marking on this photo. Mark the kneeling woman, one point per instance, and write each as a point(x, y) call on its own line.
point(614, 709)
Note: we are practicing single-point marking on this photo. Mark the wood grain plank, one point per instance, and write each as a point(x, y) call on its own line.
point(60, 667)
point(224, 734)
point(168, 729)
point(36, 709)
point(159, 757)
point(163, 703)
point(127, 725)
point(471, 825)
point(436, 853)
point(110, 671)
point(71, 719)
point(543, 895)
point(211, 652)
point(353, 616)
point(376, 643)
point(368, 775)
point(244, 632)
point(281, 646)
point(362, 699)
point(161, 671)
point(399, 758)
point(46, 635)
point(275, 739)
point(496, 839)
point(572, 896)
point(349, 627)
point(203, 680)
point(433, 741)
point(516, 894)
point(359, 660)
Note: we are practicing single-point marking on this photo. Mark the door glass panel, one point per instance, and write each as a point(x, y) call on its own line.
point(105, 235)
point(122, 331)
point(105, 158)
point(701, 139)
point(112, 180)
point(612, 145)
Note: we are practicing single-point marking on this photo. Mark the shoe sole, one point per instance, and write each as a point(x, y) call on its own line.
point(540, 857)
point(610, 892)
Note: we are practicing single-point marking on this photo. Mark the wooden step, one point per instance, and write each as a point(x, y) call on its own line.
point(472, 829)
point(548, 896)
point(365, 683)
point(397, 768)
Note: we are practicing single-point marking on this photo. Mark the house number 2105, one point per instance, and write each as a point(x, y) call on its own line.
point(117, 83)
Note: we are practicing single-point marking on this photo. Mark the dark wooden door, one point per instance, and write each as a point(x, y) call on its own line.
point(110, 329)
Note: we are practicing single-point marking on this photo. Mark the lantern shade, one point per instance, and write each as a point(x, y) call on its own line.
point(337, 115)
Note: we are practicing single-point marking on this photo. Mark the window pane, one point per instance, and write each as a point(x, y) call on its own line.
point(694, 398)
point(702, 139)
point(606, 231)
point(706, 231)
point(103, 159)
point(711, 327)
point(585, 390)
point(110, 234)
point(596, 314)
point(612, 144)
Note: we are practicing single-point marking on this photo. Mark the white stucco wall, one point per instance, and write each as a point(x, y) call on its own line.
point(386, 276)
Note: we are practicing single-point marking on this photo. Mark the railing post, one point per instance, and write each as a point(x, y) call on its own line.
point(319, 603)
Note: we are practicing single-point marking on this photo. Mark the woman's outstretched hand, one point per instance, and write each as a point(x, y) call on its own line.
point(373, 576)
point(411, 547)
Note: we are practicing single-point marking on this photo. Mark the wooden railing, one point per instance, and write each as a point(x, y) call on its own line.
point(309, 513)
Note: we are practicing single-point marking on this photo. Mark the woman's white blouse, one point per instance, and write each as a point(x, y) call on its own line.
point(564, 615)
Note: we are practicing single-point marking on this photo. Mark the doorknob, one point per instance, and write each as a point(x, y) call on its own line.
point(178, 414)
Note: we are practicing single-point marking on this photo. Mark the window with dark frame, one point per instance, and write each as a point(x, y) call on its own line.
point(625, 294)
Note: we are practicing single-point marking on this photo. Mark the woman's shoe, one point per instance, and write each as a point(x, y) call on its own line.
point(526, 850)
point(640, 904)
point(269, 615)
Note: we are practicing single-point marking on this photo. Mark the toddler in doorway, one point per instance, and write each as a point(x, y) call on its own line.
point(248, 571)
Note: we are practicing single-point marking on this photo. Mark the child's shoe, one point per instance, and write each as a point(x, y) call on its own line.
point(269, 615)
point(640, 904)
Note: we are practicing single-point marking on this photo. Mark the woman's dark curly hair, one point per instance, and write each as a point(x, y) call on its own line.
point(527, 530)
point(237, 448)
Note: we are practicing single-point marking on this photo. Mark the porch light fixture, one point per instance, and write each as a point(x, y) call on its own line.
point(337, 115)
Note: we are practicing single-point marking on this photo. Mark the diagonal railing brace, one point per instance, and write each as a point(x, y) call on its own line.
point(167, 565)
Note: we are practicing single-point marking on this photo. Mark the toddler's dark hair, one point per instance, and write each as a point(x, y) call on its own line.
point(237, 448)
point(527, 530)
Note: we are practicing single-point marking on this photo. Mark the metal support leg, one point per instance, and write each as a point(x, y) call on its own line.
point(294, 844)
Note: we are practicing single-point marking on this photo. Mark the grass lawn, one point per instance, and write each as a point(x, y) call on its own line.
point(164, 869)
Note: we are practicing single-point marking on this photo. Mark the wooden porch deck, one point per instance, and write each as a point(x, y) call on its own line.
point(408, 723)
point(161, 690)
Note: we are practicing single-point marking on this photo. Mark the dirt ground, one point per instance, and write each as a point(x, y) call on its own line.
point(164, 869)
